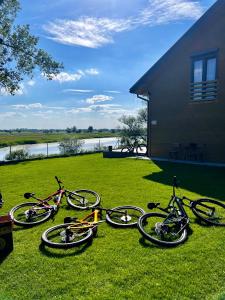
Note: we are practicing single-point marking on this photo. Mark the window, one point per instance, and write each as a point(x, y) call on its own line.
point(204, 76)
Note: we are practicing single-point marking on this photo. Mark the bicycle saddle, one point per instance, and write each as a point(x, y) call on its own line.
point(69, 220)
point(152, 205)
point(28, 195)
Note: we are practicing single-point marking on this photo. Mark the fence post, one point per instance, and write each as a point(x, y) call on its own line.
point(47, 149)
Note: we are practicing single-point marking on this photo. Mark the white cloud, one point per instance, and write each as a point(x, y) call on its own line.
point(103, 109)
point(27, 106)
point(66, 77)
point(96, 32)
point(31, 83)
point(86, 31)
point(19, 92)
point(11, 114)
point(92, 71)
point(113, 92)
point(98, 98)
point(77, 91)
point(164, 11)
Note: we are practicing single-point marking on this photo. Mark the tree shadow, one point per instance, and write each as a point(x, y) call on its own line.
point(202, 180)
point(61, 253)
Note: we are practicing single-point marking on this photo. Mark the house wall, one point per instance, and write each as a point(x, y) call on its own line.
point(178, 120)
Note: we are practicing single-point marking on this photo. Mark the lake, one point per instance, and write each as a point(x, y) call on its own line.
point(53, 148)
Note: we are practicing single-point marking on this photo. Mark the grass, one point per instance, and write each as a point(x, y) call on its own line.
point(119, 264)
point(7, 139)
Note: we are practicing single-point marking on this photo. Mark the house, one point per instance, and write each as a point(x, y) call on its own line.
point(185, 92)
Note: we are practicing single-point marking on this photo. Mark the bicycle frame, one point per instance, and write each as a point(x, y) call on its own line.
point(95, 216)
point(84, 223)
point(57, 196)
point(176, 214)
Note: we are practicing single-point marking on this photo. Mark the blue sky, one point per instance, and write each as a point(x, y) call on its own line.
point(105, 46)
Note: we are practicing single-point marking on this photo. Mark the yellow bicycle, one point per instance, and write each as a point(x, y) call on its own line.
point(75, 232)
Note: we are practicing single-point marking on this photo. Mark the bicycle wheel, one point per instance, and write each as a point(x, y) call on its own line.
point(124, 216)
point(30, 213)
point(151, 226)
point(62, 236)
point(141, 149)
point(83, 199)
point(210, 211)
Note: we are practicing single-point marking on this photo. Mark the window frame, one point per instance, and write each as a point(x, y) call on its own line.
point(206, 84)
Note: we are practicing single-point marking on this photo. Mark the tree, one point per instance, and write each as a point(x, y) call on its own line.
point(20, 154)
point(134, 128)
point(19, 54)
point(68, 130)
point(142, 116)
point(74, 129)
point(90, 129)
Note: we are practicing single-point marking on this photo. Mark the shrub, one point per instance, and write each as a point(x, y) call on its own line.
point(71, 146)
point(17, 155)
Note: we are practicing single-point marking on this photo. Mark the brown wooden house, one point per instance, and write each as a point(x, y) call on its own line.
point(185, 91)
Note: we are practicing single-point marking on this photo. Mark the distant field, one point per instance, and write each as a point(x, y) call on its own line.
point(16, 138)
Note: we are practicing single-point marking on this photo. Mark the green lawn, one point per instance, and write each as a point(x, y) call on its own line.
point(119, 264)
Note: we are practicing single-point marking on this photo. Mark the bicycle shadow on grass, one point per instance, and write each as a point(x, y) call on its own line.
point(202, 180)
point(148, 244)
point(61, 253)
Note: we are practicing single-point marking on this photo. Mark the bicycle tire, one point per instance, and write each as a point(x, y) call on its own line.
point(59, 239)
point(25, 220)
point(79, 203)
point(148, 230)
point(213, 214)
point(141, 149)
point(124, 216)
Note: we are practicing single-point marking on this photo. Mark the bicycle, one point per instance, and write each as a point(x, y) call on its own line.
point(77, 231)
point(33, 213)
point(170, 228)
point(135, 147)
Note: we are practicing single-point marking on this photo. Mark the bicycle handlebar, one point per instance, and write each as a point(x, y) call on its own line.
point(175, 183)
point(58, 181)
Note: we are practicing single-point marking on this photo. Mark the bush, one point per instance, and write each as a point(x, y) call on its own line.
point(20, 154)
point(71, 146)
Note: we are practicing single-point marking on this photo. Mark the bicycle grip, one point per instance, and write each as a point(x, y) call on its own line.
point(175, 184)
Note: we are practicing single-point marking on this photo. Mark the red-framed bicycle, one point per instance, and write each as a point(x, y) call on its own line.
point(34, 213)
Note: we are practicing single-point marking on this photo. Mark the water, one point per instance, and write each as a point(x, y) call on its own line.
point(53, 148)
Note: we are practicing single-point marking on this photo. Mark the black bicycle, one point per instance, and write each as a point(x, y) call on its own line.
point(170, 228)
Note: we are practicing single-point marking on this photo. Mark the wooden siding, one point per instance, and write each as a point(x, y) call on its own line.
point(178, 120)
